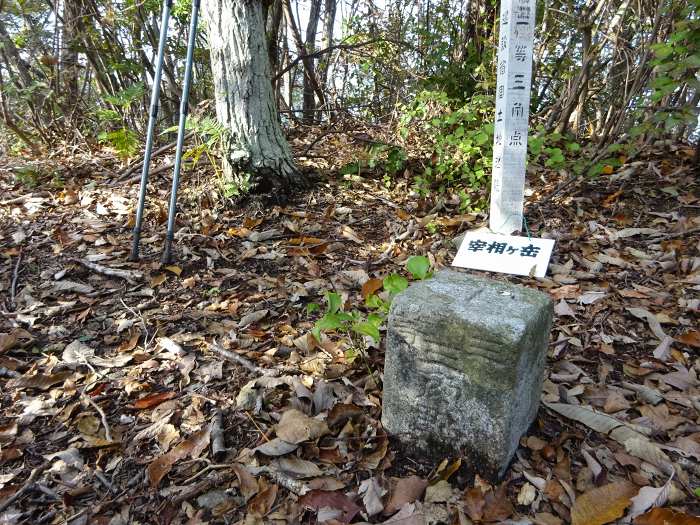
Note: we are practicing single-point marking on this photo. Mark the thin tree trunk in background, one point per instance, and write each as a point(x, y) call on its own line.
point(328, 25)
point(273, 20)
point(245, 105)
point(69, 51)
point(309, 101)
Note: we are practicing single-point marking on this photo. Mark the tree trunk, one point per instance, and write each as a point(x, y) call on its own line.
point(69, 51)
point(256, 146)
point(310, 46)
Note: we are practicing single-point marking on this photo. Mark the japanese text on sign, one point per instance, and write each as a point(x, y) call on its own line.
point(514, 72)
point(482, 250)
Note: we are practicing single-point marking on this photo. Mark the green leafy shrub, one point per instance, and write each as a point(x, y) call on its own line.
point(451, 142)
point(336, 319)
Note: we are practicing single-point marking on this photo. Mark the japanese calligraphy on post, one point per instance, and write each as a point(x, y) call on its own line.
point(481, 250)
point(512, 110)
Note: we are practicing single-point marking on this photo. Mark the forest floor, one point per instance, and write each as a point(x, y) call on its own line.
point(195, 392)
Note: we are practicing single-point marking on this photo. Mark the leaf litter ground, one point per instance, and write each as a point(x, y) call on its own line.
point(195, 392)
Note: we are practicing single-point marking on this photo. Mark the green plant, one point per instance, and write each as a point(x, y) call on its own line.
point(360, 323)
point(124, 141)
point(452, 142)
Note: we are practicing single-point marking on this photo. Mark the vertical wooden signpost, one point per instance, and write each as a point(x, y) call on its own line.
point(514, 67)
point(498, 250)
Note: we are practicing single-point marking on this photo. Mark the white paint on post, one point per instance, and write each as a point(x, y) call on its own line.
point(512, 110)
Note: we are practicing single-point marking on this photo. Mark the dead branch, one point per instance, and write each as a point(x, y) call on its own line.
point(218, 447)
point(15, 278)
point(27, 484)
point(137, 165)
point(249, 365)
point(103, 417)
point(131, 276)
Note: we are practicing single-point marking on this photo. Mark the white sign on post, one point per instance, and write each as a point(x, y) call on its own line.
point(483, 250)
point(496, 250)
point(512, 110)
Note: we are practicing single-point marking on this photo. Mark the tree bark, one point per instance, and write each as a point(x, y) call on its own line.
point(310, 47)
point(255, 146)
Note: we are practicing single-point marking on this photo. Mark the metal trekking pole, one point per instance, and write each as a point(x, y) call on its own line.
point(184, 106)
point(153, 114)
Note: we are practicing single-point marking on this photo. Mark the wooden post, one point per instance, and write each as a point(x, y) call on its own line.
point(515, 45)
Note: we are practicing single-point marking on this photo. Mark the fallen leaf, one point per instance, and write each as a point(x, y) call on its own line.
point(276, 447)
point(295, 427)
point(246, 482)
point(649, 497)
point(157, 280)
point(562, 308)
point(659, 516)
point(296, 467)
point(651, 320)
point(603, 504)
point(497, 505)
point(192, 447)
point(7, 341)
point(317, 499)
point(371, 287)
point(404, 490)
point(174, 269)
point(688, 338)
point(40, 381)
point(152, 400)
point(261, 504)
point(349, 233)
point(474, 503)
point(372, 493)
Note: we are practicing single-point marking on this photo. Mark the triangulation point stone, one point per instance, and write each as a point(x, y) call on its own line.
point(464, 367)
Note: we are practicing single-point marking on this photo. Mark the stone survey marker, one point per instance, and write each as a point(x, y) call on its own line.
point(464, 368)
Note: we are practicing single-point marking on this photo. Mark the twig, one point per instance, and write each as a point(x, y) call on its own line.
point(164, 167)
point(218, 447)
point(195, 490)
point(211, 466)
point(15, 278)
point(131, 169)
point(128, 275)
point(675, 235)
point(103, 417)
point(240, 360)
point(23, 198)
point(27, 484)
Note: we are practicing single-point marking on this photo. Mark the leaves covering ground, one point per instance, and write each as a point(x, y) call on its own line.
point(195, 393)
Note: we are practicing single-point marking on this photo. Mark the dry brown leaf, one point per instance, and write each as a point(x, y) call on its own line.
point(7, 341)
point(688, 338)
point(246, 482)
point(497, 505)
point(261, 504)
point(474, 503)
point(295, 427)
point(603, 504)
point(371, 287)
point(317, 499)
point(174, 269)
point(157, 280)
point(192, 447)
point(153, 400)
point(40, 381)
point(349, 233)
point(404, 490)
point(659, 516)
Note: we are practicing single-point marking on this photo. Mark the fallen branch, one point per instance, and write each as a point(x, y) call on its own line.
point(249, 365)
point(15, 278)
point(131, 276)
point(27, 484)
point(137, 165)
point(103, 417)
point(218, 447)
